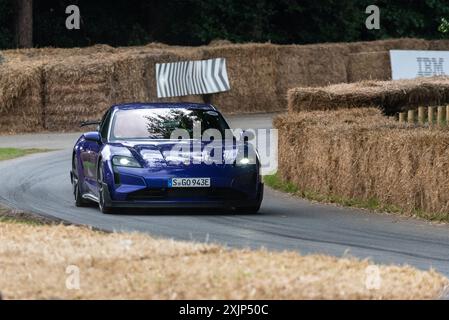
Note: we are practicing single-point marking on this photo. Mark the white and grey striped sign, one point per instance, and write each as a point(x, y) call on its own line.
point(184, 78)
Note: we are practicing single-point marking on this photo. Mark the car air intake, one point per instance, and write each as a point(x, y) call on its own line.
point(186, 193)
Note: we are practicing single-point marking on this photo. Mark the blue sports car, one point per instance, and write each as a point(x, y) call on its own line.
point(166, 155)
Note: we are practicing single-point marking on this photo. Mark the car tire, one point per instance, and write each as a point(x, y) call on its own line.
point(79, 201)
point(101, 192)
point(252, 209)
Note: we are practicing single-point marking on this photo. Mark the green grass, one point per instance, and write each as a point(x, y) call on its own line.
point(11, 153)
point(277, 183)
point(20, 221)
point(7, 216)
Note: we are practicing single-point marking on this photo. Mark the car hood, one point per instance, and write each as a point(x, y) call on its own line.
point(162, 153)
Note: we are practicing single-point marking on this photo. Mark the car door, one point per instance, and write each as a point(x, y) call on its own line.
point(90, 155)
point(103, 129)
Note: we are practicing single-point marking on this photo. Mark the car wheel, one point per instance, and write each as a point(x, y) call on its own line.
point(101, 192)
point(79, 201)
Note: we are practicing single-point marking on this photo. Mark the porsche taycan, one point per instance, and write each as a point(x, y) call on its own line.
point(166, 155)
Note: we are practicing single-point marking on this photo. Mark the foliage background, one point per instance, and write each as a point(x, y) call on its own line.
point(195, 22)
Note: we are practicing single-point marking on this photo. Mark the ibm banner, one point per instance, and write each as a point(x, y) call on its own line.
point(191, 77)
point(410, 64)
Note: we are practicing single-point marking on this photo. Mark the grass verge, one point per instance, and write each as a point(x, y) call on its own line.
point(17, 216)
point(11, 153)
point(35, 260)
point(277, 183)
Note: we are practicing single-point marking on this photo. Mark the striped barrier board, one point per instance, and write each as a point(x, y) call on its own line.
point(185, 78)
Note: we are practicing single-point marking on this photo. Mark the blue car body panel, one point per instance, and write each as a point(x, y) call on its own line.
point(148, 186)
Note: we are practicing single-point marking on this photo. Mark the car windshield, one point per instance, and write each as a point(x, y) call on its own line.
point(159, 123)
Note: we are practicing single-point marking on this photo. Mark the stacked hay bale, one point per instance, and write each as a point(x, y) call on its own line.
point(83, 87)
point(21, 97)
point(61, 87)
point(390, 44)
point(351, 150)
point(371, 60)
point(391, 96)
point(76, 89)
point(128, 78)
point(69, 82)
point(439, 45)
point(360, 154)
point(373, 65)
point(311, 65)
point(252, 72)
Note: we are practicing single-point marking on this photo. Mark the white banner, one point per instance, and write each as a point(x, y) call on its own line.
point(191, 77)
point(410, 64)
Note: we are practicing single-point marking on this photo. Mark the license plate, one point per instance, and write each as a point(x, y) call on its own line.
point(189, 183)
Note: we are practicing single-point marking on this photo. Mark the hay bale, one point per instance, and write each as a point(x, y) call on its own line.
point(134, 77)
point(391, 96)
point(219, 42)
point(21, 98)
point(57, 54)
point(76, 90)
point(311, 65)
point(439, 45)
point(131, 80)
point(360, 154)
point(81, 83)
point(252, 71)
point(387, 45)
point(369, 66)
point(83, 88)
point(370, 60)
point(158, 45)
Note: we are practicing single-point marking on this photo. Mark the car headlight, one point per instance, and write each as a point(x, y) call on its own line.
point(245, 161)
point(124, 161)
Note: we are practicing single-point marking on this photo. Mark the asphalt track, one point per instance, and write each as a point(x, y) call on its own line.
point(40, 183)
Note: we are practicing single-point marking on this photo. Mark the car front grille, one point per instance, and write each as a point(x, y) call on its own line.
point(186, 193)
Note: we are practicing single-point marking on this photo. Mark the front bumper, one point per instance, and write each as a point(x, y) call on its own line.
point(184, 203)
point(142, 187)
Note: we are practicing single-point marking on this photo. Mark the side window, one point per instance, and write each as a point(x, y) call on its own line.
point(104, 126)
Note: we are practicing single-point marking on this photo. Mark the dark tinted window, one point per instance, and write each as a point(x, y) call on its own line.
point(104, 125)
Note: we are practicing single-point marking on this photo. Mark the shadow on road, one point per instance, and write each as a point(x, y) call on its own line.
point(181, 212)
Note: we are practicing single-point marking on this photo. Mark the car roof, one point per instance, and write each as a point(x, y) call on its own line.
point(155, 105)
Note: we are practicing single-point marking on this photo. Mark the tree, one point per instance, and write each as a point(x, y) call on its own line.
point(24, 23)
point(6, 12)
point(444, 26)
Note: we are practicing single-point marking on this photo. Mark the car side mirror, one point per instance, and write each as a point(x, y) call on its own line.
point(93, 136)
